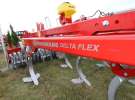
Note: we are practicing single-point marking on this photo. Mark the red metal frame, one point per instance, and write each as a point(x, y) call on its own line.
point(11, 50)
point(113, 42)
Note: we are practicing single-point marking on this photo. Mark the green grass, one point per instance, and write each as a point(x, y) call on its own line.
point(3, 62)
point(55, 83)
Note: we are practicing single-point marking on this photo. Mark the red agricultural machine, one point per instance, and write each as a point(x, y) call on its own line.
point(110, 39)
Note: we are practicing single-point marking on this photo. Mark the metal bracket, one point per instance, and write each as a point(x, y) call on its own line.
point(82, 77)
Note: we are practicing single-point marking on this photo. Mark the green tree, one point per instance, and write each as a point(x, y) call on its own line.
point(14, 38)
point(9, 40)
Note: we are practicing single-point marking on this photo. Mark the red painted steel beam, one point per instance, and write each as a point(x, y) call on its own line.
point(117, 48)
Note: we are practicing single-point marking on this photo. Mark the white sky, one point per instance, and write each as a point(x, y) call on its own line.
point(23, 14)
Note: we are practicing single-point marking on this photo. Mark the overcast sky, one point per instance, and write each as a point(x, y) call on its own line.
point(23, 14)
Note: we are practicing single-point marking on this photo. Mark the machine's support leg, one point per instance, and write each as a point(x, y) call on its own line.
point(33, 77)
point(113, 86)
point(82, 77)
point(67, 62)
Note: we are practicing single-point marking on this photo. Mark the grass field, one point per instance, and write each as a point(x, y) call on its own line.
point(3, 62)
point(55, 83)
